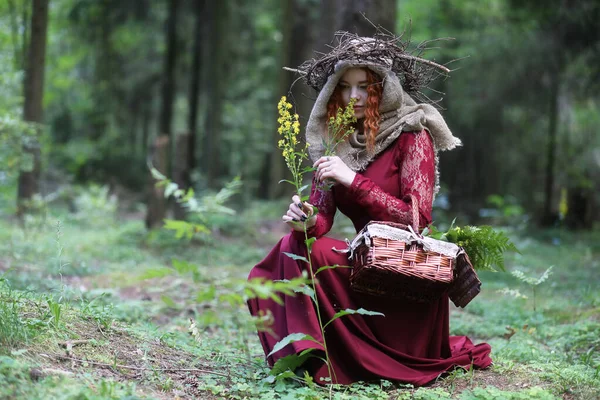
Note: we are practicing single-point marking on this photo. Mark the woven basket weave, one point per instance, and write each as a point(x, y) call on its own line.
point(391, 260)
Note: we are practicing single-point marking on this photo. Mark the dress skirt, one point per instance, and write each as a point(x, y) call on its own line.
point(410, 344)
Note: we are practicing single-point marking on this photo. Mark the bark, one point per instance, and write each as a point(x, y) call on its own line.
point(181, 171)
point(157, 203)
point(168, 82)
point(134, 111)
point(146, 118)
point(216, 43)
point(195, 84)
point(549, 215)
point(276, 169)
point(580, 212)
point(34, 90)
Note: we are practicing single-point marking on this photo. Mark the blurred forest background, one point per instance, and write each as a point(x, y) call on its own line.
point(93, 89)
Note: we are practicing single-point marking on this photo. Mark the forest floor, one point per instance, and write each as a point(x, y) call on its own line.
point(94, 307)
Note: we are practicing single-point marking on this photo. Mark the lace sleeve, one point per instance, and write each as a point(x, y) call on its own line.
point(325, 203)
point(416, 161)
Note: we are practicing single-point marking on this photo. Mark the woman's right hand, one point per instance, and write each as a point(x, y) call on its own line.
point(299, 213)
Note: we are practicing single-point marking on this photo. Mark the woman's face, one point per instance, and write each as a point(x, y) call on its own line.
point(354, 86)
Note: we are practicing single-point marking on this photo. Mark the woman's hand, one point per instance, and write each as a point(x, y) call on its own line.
point(332, 167)
point(297, 215)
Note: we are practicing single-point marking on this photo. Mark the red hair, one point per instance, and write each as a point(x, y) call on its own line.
point(372, 117)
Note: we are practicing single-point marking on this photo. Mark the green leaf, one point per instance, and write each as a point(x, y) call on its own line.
point(331, 267)
point(207, 295)
point(168, 301)
point(170, 189)
point(309, 243)
point(307, 290)
point(183, 267)
point(285, 180)
point(290, 362)
point(296, 257)
point(348, 311)
point(156, 273)
point(291, 338)
point(157, 175)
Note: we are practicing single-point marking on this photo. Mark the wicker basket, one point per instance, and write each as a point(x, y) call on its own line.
point(392, 260)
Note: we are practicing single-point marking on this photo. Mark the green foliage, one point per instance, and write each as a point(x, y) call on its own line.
point(13, 330)
point(16, 383)
point(492, 393)
point(532, 282)
point(484, 245)
point(349, 311)
point(200, 209)
point(552, 351)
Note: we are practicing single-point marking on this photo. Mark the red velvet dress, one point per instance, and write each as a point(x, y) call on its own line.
point(411, 343)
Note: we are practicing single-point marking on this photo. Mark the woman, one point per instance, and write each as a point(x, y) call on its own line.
point(391, 155)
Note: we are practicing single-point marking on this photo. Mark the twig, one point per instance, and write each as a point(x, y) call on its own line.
point(38, 373)
point(293, 70)
point(144, 368)
point(424, 61)
point(70, 343)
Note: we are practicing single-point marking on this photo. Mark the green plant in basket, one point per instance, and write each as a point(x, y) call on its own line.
point(484, 245)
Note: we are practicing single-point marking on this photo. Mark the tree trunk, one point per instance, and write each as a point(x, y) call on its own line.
point(157, 204)
point(276, 170)
point(181, 172)
point(199, 7)
point(549, 215)
point(34, 91)
point(146, 118)
point(134, 112)
point(216, 63)
point(349, 16)
point(168, 82)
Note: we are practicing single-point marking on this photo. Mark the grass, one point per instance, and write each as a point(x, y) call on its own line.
point(97, 310)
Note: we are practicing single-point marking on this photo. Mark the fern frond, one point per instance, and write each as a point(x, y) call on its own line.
point(484, 245)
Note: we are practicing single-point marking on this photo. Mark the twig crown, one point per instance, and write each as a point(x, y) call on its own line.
point(385, 49)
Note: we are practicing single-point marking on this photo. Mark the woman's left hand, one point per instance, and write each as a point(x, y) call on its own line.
point(332, 167)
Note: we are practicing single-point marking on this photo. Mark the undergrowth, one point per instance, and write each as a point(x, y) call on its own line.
point(135, 321)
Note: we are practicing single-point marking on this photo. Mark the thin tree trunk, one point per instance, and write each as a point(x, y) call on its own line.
point(168, 83)
point(195, 84)
point(146, 119)
point(181, 172)
point(217, 41)
point(157, 204)
point(549, 217)
point(135, 117)
point(275, 164)
point(34, 92)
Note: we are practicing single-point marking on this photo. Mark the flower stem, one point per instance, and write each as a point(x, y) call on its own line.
point(330, 370)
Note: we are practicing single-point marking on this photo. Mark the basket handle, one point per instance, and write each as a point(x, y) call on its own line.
point(415, 212)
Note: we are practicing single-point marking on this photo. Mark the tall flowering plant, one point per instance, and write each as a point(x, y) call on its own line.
point(293, 153)
point(339, 127)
